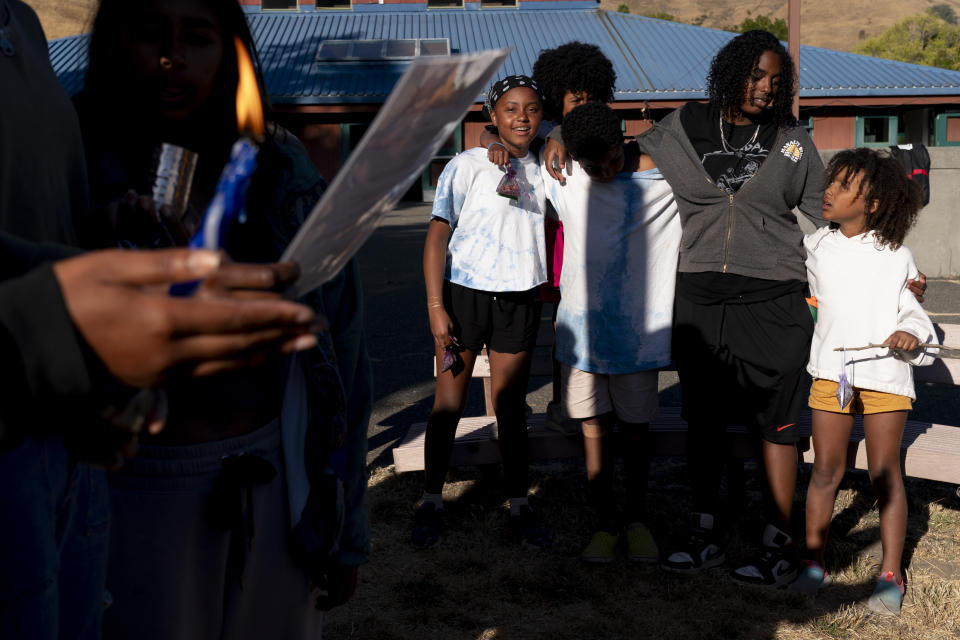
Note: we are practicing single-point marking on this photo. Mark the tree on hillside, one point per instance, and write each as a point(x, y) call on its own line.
point(923, 39)
point(945, 12)
point(660, 15)
point(777, 27)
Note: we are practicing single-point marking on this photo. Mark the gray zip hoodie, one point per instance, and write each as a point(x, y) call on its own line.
point(753, 232)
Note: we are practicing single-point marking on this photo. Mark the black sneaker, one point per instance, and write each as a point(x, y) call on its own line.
point(700, 551)
point(427, 520)
point(778, 564)
point(527, 527)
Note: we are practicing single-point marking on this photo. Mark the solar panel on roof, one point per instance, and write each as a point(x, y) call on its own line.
point(367, 49)
point(386, 49)
point(434, 47)
point(334, 49)
point(653, 59)
point(400, 48)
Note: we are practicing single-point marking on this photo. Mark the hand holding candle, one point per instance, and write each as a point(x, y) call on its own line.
point(229, 201)
point(230, 198)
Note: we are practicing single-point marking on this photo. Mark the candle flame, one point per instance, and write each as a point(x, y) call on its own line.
point(249, 108)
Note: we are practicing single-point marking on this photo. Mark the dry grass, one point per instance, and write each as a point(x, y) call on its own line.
point(61, 19)
point(834, 25)
point(477, 585)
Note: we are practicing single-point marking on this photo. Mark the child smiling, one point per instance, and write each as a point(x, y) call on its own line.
point(483, 260)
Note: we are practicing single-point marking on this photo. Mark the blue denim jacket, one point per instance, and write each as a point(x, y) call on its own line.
point(338, 380)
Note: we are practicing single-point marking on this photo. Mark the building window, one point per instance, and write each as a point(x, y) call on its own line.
point(350, 136)
point(497, 4)
point(430, 175)
point(947, 130)
point(336, 51)
point(807, 123)
point(878, 131)
point(444, 4)
point(334, 4)
point(278, 4)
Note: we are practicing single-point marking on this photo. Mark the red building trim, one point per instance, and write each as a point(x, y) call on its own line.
point(888, 101)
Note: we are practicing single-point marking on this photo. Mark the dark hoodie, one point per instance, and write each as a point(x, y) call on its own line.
point(753, 232)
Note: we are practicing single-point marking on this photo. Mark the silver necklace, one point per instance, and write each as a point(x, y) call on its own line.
point(729, 149)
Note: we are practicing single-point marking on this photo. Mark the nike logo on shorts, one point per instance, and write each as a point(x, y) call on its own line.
point(786, 426)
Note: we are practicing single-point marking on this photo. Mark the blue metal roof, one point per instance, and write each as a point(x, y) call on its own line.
point(653, 59)
point(69, 59)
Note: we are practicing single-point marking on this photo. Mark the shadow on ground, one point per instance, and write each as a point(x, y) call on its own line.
point(478, 584)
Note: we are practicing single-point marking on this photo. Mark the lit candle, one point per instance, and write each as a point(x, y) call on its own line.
point(229, 200)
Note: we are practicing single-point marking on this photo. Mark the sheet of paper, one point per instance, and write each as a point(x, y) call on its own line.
point(420, 114)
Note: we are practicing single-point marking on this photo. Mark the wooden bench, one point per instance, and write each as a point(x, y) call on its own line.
point(930, 451)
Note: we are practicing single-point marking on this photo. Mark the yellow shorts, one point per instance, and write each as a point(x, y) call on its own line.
point(823, 396)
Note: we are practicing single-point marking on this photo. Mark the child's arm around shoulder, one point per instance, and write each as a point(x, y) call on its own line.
point(556, 204)
point(496, 151)
point(555, 156)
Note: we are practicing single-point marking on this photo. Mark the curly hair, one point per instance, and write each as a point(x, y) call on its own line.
point(884, 181)
point(591, 130)
point(573, 66)
point(733, 65)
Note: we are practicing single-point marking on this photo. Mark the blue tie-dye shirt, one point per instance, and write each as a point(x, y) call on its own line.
point(496, 244)
point(620, 245)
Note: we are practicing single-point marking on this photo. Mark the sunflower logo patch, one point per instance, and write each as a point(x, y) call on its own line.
point(792, 150)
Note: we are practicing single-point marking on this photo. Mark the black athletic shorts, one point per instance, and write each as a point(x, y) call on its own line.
point(744, 363)
point(506, 322)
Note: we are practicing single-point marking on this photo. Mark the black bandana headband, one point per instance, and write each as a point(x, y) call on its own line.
point(500, 87)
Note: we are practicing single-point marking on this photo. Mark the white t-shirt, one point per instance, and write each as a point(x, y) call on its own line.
point(496, 244)
point(862, 298)
point(620, 245)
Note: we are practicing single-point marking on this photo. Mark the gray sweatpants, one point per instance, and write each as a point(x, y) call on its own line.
point(174, 577)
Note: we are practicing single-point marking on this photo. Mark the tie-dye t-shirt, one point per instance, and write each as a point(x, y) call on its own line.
point(621, 241)
point(496, 244)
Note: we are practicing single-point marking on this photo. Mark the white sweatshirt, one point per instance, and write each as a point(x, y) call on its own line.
point(862, 297)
